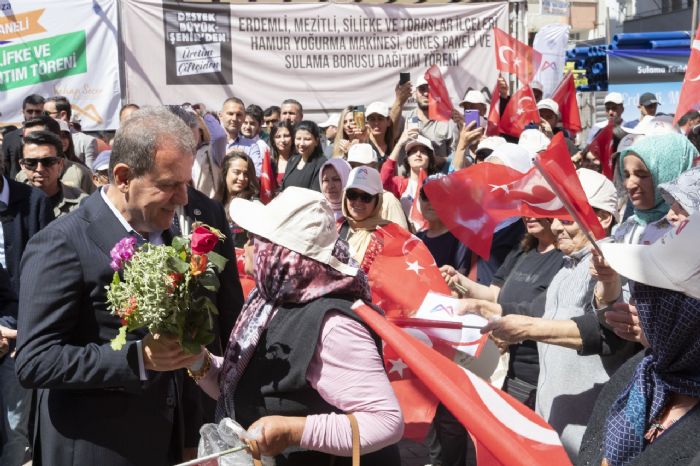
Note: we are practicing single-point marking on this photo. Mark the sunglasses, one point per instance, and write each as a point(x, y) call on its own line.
point(362, 196)
point(46, 162)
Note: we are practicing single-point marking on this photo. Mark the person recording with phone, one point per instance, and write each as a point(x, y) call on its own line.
point(348, 133)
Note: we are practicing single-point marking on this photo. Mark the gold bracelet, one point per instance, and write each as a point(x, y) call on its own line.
point(202, 372)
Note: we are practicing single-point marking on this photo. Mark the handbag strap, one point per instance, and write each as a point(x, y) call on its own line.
point(255, 452)
point(355, 440)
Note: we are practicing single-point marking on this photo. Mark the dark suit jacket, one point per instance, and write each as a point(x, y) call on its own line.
point(92, 406)
point(27, 213)
point(12, 152)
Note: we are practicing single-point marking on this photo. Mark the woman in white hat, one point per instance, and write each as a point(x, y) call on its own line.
point(648, 413)
point(362, 208)
point(381, 129)
point(286, 370)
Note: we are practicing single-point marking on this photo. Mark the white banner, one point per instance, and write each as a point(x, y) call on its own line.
point(67, 48)
point(551, 41)
point(325, 55)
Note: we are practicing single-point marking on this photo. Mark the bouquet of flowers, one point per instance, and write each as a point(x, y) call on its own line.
point(164, 288)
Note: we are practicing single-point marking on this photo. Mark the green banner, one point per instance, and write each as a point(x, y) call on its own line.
point(42, 60)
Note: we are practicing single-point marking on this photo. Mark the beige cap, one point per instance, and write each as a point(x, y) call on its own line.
point(298, 219)
point(600, 191)
point(419, 141)
point(362, 153)
point(365, 179)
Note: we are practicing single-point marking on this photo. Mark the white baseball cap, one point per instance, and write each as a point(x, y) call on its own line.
point(626, 142)
point(490, 142)
point(533, 141)
point(362, 153)
point(614, 97)
point(380, 108)
point(332, 120)
point(659, 124)
point(420, 140)
point(600, 191)
point(672, 262)
point(421, 80)
point(298, 219)
point(473, 97)
point(548, 104)
point(365, 179)
point(536, 85)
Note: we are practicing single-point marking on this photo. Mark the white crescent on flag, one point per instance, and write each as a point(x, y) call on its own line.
point(508, 416)
point(501, 53)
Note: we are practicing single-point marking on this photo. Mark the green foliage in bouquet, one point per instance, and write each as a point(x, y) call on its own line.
point(166, 288)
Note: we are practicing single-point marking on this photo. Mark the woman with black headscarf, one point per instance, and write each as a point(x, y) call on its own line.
point(648, 413)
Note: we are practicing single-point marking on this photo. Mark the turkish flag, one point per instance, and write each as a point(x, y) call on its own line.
point(268, 180)
point(690, 92)
point(520, 112)
point(415, 215)
point(505, 431)
point(439, 104)
point(515, 57)
point(403, 272)
point(494, 113)
point(491, 193)
point(247, 282)
point(601, 147)
point(556, 167)
point(565, 96)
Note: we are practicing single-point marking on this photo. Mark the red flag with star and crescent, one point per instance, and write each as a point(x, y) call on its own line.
point(491, 193)
point(690, 92)
point(520, 112)
point(415, 216)
point(602, 147)
point(515, 57)
point(268, 180)
point(504, 430)
point(565, 96)
point(494, 116)
point(439, 103)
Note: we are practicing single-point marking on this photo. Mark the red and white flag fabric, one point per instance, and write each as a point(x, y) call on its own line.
point(602, 147)
point(690, 92)
point(439, 103)
point(504, 431)
point(268, 180)
point(490, 193)
point(415, 216)
point(520, 112)
point(403, 272)
point(247, 282)
point(515, 57)
point(494, 116)
point(565, 96)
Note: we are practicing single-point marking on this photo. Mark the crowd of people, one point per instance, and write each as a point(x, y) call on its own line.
point(601, 339)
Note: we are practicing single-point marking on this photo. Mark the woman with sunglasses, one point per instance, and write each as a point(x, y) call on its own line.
point(569, 379)
point(362, 208)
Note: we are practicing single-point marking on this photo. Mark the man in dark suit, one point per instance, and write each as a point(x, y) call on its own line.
point(32, 107)
point(23, 212)
point(97, 405)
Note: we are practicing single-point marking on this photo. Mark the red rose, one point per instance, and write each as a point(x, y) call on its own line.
point(203, 241)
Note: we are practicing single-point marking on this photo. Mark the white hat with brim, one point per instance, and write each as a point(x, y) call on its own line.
point(672, 262)
point(380, 108)
point(614, 98)
point(420, 140)
point(331, 121)
point(548, 104)
point(365, 179)
point(599, 190)
point(362, 153)
point(473, 97)
point(298, 219)
point(659, 124)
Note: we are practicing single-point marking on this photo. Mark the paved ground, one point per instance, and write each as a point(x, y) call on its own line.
point(413, 454)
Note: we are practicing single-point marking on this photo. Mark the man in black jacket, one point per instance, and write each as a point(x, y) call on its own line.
point(32, 107)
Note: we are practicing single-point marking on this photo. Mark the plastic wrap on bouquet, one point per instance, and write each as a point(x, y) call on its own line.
point(226, 435)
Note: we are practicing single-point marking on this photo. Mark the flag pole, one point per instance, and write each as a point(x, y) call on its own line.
point(569, 208)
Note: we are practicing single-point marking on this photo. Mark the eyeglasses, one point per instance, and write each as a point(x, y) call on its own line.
point(46, 162)
point(362, 196)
